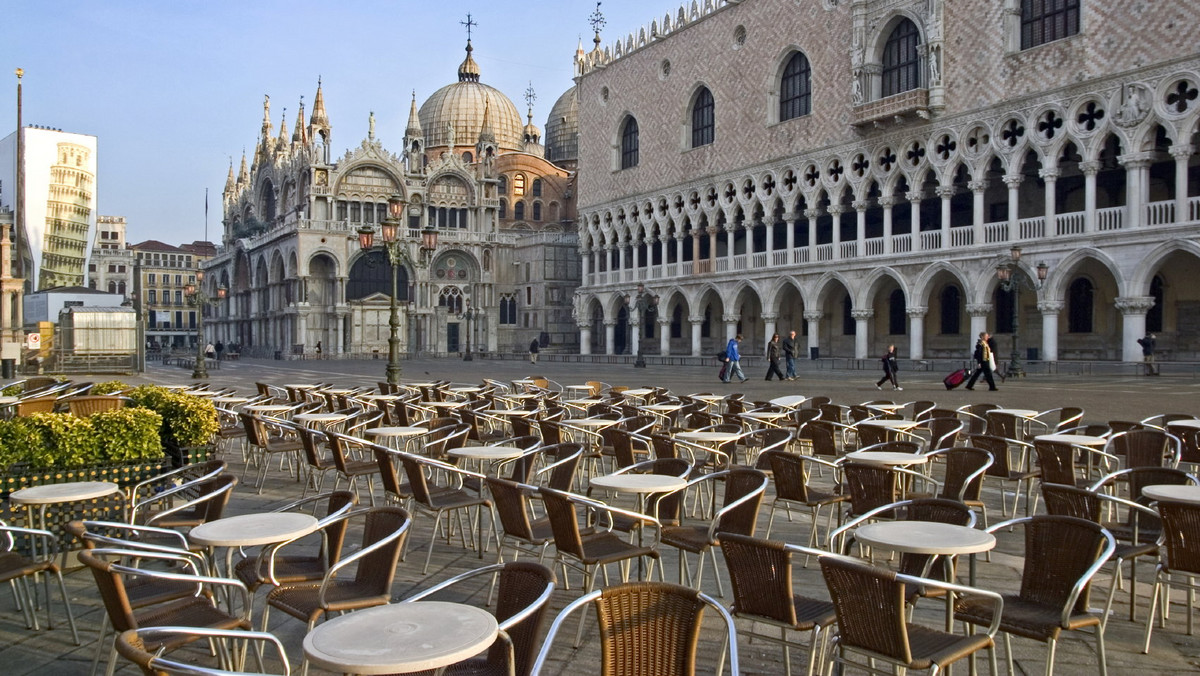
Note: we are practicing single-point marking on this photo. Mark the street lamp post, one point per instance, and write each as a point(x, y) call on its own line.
point(469, 313)
point(199, 300)
point(642, 304)
point(1012, 285)
point(398, 254)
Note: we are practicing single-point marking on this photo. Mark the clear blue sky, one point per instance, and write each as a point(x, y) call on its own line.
point(174, 88)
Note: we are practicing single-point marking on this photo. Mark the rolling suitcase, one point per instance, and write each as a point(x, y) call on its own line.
point(956, 378)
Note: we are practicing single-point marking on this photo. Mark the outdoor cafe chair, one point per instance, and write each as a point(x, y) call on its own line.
point(147, 648)
point(440, 500)
point(790, 472)
point(1010, 465)
point(275, 564)
point(1179, 561)
point(31, 553)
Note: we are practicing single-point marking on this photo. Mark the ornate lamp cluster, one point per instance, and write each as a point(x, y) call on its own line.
point(199, 300)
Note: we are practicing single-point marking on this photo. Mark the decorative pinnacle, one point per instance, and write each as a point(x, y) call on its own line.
point(530, 95)
point(20, 73)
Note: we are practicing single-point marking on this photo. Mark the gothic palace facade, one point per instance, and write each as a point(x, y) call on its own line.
point(856, 170)
point(503, 272)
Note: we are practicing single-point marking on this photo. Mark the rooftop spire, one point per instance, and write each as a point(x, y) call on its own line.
point(301, 134)
point(319, 118)
point(243, 173)
point(414, 121)
point(283, 132)
point(486, 135)
point(469, 70)
point(229, 182)
point(267, 127)
point(598, 23)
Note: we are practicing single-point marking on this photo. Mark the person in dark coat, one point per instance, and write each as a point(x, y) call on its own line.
point(890, 367)
point(533, 351)
point(1148, 344)
point(983, 363)
point(789, 355)
point(774, 352)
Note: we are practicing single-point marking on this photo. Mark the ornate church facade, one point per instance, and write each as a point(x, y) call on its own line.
point(503, 271)
point(863, 172)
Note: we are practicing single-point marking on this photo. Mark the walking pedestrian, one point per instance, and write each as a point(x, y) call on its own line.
point(789, 355)
point(735, 360)
point(210, 352)
point(533, 351)
point(220, 349)
point(774, 352)
point(1148, 344)
point(889, 370)
point(983, 363)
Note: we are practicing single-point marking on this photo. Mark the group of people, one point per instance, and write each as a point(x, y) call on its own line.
point(214, 351)
point(777, 349)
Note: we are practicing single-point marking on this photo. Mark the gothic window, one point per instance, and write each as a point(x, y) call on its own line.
point(508, 310)
point(502, 185)
point(629, 143)
point(1080, 299)
point(1154, 316)
point(950, 313)
point(896, 314)
point(1045, 21)
point(451, 299)
point(537, 211)
point(519, 211)
point(537, 187)
point(503, 209)
point(849, 326)
point(795, 88)
point(901, 65)
point(1003, 302)
point(518, 185)
point(703, 120)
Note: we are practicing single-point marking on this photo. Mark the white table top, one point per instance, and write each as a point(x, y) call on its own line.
point(887, 408)
point(221, 400)
point(637, 392)
point(588, 422)
point(1167, 492)
point(487, 452)
point(400, 638)
point(420, 385)
point(269, 408)
point(466, 389)
point(790, 401)
point(707, 397)
point(1019, 412)
point(890, 458)
point(1193, 424)
point(524, 381)
point(639, 483)
point(5, 401)
point(396, 431)
point(924, 537)
point(578, 388)
point(509, 411)
point(718, 437)
point(765, 415)
point(247, 530)
point(68, 492)
point(584, 402)
point(319, 417)
point(661, 408)
point(380, 397)
point(339, 390)
point(891, 424)
point(302, 386)
point(1077, 439)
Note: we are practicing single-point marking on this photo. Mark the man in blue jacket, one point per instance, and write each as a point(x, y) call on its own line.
point(735, 360)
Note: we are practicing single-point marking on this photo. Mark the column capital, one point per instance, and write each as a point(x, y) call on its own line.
point(696, 319)
point(861, 205)
point(836, 210)
point(916, 311)
point(1050, 307)
point(1013, 182)
point(790, 216)
point(583, 326)
point(770, 316)
point(1182, 151)
point(1134, 305)
point(1136, 160)
point(663, 320)
point(887, 201)
point(610, 322)
point(979, 309)
point(863, 315)
point(712, 230)
point(730, 319)
point(946, 191)
point(978, 186)
point(914, 195)
point(812, 213)
point(813, 315)
point(1090, 167)
point(1049, 174)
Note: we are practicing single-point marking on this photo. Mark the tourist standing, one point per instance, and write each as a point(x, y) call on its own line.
point(1148, 344)
point(533, 351)
point(774, 352)
point(789, 355)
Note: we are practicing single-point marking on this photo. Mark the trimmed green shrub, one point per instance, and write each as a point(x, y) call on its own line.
point(109, 387)
point(128, 435)
point(187, 420)
point(60, 441)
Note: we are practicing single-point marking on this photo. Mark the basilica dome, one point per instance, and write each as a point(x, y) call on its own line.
point(461, 105)
point(562, 129)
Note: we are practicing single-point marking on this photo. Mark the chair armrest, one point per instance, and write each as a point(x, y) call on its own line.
point(353, 558)
point(962, 590)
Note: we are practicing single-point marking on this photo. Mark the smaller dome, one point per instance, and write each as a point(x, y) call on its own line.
point(562, 128)
point(469, 70)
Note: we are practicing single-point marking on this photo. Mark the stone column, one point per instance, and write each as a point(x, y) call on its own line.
point(916, 331)
point(812, 215)
point(770, 228)
point(1050, 310)
point(610, 332)
point(635, 330)
point(862, 326)
point(1089, 169)
point(664, 335)
point(635, 252)
point(1050, 176)
point(696, 322)
point(730, 325)
point(1133, 324)
point(730, 228)
point(1014, 200)
point(860, 223)
point(712, 245)
point(978, 312)
point(813, 317)
point(914, 209)
point(585, 338)
point(769, 321)
point(1182, 153)
point(790, 236)
point(887, 202)
point(596, 260)
point(1136, 173)
point(978, 218)
point(945, 192)
point(836, 211)
point(586, 261)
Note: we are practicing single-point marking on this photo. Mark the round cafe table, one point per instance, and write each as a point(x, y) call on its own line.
point(387, 435)
point(41, 497)
point(248, 530)
point(323, 419)
point(887, 458)
point(400, 638)
point(487, 453)
point(1170, 493)
point(1192, 424)
point(1077, 439)
point(789, 401)
point(1018, 412)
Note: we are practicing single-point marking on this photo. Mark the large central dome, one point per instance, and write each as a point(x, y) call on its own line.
point(462, 105)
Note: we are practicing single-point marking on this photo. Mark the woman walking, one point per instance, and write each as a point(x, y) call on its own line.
point(774, 353)
point(889, 370)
